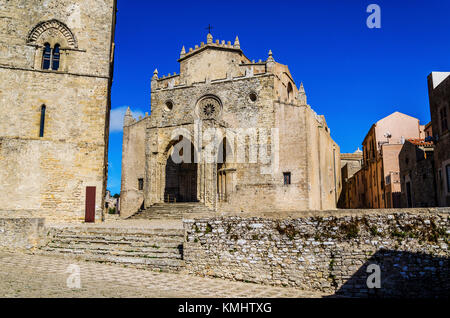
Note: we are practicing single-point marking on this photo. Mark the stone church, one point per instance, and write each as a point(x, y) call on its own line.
point(56, 68)
point(230, 134)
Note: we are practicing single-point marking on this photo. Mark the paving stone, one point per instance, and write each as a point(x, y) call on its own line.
point(25, 275)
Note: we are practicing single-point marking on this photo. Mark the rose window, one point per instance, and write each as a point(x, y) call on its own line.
point(209, 109)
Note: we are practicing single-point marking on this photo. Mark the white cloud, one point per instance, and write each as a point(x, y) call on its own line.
point(116, 120)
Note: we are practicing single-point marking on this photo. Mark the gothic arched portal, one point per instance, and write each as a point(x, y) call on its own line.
point(223, 177)
point(181, 179)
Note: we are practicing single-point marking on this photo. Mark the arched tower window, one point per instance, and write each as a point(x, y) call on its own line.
point(56, 57)
point(51, 38)
point(51, 57)
point(289, 91)
point(42, 125)
point(47, 56)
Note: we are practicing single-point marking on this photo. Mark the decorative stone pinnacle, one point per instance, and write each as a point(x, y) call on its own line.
point(155, 74)
point(209, 38)
point(236, 43)
point(183, 51)
point(302, 95)
point(128, 118)
point(270, 59)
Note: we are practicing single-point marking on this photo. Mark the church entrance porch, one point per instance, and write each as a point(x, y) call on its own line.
point(181, 182)
point(176, 173)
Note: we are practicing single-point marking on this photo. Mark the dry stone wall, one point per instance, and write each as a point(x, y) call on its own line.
point(326, 251)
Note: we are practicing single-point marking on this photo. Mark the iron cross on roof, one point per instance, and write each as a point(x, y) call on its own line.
point(209, 28)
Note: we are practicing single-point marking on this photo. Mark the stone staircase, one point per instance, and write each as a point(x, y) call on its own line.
point(158, 249)
point(169, 211)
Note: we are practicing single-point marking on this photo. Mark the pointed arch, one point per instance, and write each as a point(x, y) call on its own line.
point(290, 91)
point(180, 177)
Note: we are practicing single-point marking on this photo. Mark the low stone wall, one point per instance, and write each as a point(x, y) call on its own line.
point(51, 217)
point(22, 233)
point(327, 251)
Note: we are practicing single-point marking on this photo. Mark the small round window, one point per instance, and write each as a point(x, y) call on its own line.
point(169, 105)
point(252, 97)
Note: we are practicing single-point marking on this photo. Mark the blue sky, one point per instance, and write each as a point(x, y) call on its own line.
point(352, 74)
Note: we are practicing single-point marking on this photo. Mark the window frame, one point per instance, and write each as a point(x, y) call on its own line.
point(47, 57)
point(56, 57)
point(290, 91)
point(51, 57)
point(42, 122)
point(287, 178)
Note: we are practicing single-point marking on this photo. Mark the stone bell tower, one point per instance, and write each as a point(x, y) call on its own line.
point(56, 68)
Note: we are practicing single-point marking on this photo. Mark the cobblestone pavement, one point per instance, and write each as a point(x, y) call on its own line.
point(24, 275)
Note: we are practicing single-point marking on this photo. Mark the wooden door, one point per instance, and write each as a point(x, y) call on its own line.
point(89, 216)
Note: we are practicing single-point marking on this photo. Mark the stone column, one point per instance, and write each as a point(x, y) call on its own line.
point(162, 181)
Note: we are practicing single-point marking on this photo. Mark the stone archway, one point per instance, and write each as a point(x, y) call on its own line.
point(224, 154)
point(180, 179)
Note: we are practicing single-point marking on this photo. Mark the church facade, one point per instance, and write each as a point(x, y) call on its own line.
point(231, 134)
point(56, 68)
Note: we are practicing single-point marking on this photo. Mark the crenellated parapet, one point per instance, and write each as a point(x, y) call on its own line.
point(233, 65)
point(230, 64)
point(221, 44)
point(168, 81)
point(129, 120)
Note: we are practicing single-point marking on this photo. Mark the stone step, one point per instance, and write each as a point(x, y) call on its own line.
point(117, 231)
point(114, 247)
point(162, 213)
point(160, 249)
point(172, 211)
point(159, 217)
point(162, 264)
point(119, 240)
point(153, 262)
point(131, 253)
point(180, 204)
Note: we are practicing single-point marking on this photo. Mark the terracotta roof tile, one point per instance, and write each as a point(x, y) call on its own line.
point(421, 142)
